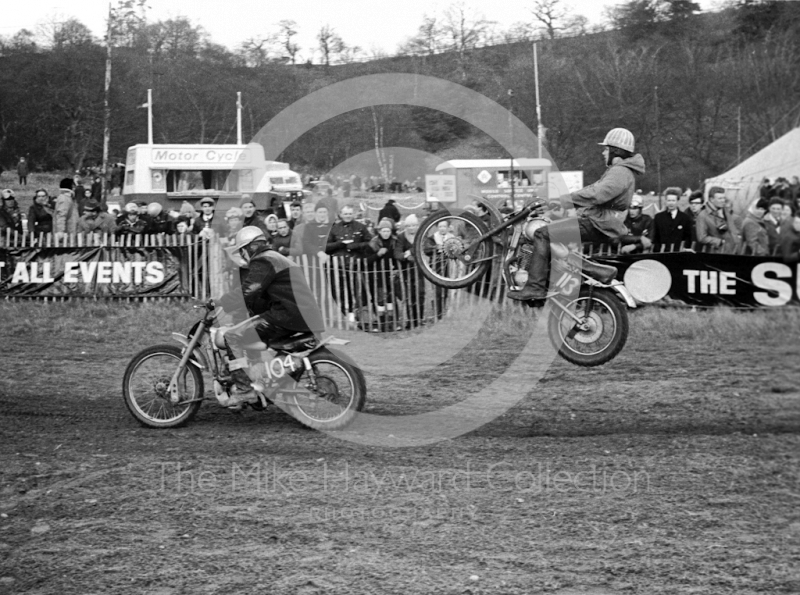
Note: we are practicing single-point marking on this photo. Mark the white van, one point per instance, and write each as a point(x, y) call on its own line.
point(170, 174)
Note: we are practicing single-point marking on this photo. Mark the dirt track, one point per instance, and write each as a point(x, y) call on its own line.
point(674, 469)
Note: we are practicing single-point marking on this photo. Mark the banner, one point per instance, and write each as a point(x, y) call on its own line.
point(94, 272)
point(705, 279)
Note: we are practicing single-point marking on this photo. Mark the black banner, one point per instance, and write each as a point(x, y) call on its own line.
point(94, 272)
point(705, 279)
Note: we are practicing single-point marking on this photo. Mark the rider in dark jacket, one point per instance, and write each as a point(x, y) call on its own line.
point(272, 287)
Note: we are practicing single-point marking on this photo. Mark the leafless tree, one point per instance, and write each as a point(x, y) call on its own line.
point(287, 30)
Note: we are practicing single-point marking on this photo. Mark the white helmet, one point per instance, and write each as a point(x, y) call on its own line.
point(620, 138)
point(245, 237)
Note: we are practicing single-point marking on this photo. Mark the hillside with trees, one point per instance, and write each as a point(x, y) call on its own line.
point(699, 90)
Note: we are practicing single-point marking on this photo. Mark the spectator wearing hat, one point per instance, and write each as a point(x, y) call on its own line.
point(251, 216)
point(188, 211)
point(157, 220)
point(204, 225)
point(754, 231)
point(10, 215)
point(390, 211)
point(638, 224)
point(696, 205)
point(271, 225)
point(772, 223)
point(93, 221)
point(412, 285)
point(40, 214)
point(234, 218)
point(671, 228)
point(131, 224)
point(66, 213)
point(718, 230)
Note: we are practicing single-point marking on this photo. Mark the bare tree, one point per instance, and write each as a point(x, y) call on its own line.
point(428, 40)
point(550, 13)
point(330, 44)
point(465, 31)
point(257, 51)
point(287, 30)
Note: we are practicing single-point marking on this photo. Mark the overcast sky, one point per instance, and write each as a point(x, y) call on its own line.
point(370, 24)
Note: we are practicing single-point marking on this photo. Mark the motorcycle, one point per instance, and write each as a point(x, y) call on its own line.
point(163, 385)
point(588, 320)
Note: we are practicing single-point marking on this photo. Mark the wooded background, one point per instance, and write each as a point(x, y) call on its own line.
point(699, 90)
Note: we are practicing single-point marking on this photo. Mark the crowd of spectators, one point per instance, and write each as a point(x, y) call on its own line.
point(712, 226)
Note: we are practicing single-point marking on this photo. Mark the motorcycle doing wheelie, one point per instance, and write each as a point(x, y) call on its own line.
point(588, 318)
point(163, 384)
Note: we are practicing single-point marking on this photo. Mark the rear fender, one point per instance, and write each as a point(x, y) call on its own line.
point(199, 359)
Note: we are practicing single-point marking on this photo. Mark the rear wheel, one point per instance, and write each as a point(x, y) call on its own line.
point(329, 398)
point(600, 335)
point(451, 258)
point(145, 388)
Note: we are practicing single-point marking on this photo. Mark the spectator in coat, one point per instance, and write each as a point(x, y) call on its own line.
point(93, 221)
point(234, 220)
point(66, 212)
point(296, 248)
point(295, 214)
point(10, 214)
point(790, 240)
point(772, 222)
point(157, 220)
point(40, 215)
point(754, 231)
point(79, 192)
point(22, 171)
point(413, 287)
point(671, 229)
point(695, 207)
point(349, 241)
point(638, 226)
point(380, 258)
point(251, 216)
point(205, 226)
point(389, 211)
point(131, 224)
point(718, 230)
point(282, 241)
point(315, 234)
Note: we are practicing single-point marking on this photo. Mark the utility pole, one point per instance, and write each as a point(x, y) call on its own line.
point(538, 103)
point(658, 153)
point(239, 117)
point(107, 109)
point(739, 135)
point(511, 132)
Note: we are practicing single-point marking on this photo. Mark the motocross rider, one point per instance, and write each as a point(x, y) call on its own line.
point(601, 210)
point(272, 287)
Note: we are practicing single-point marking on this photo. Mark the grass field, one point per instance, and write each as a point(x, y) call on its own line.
point(672, 469)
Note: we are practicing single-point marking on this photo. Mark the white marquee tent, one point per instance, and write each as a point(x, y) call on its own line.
point(779, 159)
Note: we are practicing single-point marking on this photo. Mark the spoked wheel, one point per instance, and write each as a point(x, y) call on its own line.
point(600, 335)
point(446, 251)
point(145, 388)
point(331, 398)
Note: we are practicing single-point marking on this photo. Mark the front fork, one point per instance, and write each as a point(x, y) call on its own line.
point(174, 394)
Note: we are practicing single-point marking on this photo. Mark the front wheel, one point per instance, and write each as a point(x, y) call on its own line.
point(600, 335)
point(446, 251)
point(328, 397)
point(145, 388)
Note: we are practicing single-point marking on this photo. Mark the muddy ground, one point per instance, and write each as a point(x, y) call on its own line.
point(673, 469)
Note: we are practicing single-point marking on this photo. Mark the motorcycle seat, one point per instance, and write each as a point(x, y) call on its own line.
point(603, 273)
point(295, 342)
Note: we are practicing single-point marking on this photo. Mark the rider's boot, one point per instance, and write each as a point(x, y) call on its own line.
point(536, 286)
